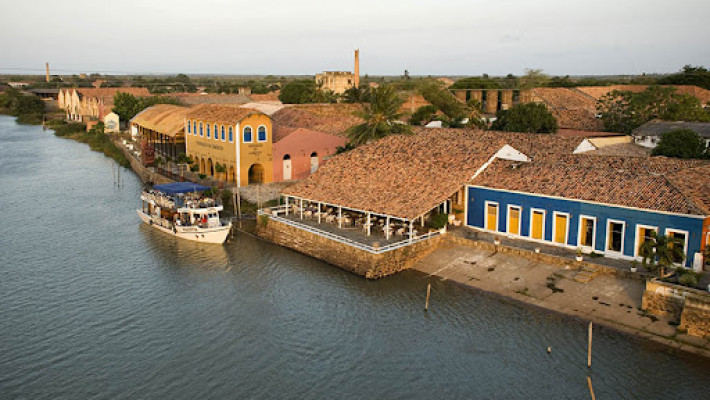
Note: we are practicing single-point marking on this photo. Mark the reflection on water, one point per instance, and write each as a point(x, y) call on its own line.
point(95, 304)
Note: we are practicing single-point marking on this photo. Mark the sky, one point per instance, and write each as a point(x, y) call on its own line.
point(280, 37)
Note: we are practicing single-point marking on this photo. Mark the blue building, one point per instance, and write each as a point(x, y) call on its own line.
point(587, 203)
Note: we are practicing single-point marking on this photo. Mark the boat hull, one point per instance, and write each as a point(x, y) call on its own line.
point(203, 235)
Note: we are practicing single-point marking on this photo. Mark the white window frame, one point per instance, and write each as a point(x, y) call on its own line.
point(252, 134)
point(257, 134)
point(485, 215)
point(594, 232)
point(608, 232)
point(230, 139)
point(520, 220)
point(554, 226)
point(637, 240)
point(685, 245)
point(216, 126)
point(189, 128)
point(544, 223)
point(223, 128)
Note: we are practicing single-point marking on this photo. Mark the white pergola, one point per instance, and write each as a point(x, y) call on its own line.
point(369, 214)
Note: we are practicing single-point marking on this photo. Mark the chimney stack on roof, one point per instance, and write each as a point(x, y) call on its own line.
point(47, 65)
point(356, 73)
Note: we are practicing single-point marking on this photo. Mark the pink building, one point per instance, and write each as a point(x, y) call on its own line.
point(299, 152)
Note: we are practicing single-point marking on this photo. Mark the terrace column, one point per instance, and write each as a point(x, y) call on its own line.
point(340, 217)
point(411, 230)
point(421, 221)
point(287, 206)
point(369, 224)
point(301, 207)
point(387, 228)
point(318, 213)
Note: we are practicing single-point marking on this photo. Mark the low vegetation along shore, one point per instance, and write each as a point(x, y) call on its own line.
point(95, 138)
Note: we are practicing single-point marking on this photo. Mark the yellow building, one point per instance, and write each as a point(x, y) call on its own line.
point(240, 139)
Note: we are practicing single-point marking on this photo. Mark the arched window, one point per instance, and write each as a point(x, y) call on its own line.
point(188, 128)
point(247, 135)
point(216, 132)
point(261, 134)
point(207, 126)
point(223, 133)
point(201, 132)
point(194, 127)
point(231, 135)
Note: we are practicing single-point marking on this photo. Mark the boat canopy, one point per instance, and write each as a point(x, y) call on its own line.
point(180, 187)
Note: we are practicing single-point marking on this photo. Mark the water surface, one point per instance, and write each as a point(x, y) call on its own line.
point(95, 305)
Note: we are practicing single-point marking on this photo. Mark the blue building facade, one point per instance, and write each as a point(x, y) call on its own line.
point(614, 231)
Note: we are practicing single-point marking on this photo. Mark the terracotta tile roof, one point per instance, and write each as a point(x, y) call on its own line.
point(204, 98)
point(623, 150)
point(406, 176)
point(110, 92)
point(577, 133)
point(646, 183)
point(271, 96)
point(224, 114)
point(695, 184)
point(329, 118)
point(573, 109)
point(163, 118)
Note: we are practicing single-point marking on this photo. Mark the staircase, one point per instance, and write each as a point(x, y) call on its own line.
point(586, 274)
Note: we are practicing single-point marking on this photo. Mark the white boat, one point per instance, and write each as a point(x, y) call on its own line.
point(179, 210)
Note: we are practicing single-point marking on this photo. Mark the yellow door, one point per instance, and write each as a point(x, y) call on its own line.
point(514, 221)
point(492, 219)
point(644, 235)
point(560, 229)
point(538, 220)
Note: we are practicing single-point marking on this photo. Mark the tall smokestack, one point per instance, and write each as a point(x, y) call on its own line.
point(357, 68)
point(47, 72)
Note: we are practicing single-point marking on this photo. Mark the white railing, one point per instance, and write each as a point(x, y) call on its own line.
point(274, 212)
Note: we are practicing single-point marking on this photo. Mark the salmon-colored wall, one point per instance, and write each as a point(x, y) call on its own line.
point(706, 234)
point(299, 145)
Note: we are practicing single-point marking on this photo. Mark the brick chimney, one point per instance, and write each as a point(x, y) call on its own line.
point(47, 64)
point(356, 73)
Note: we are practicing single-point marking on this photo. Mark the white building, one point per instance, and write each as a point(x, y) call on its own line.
point(648, 134)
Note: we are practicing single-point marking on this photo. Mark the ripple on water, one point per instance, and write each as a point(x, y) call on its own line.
point(97, 305)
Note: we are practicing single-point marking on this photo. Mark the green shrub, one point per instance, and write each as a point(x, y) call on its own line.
point(439, 221)
point(688, 278)
point(264, 220)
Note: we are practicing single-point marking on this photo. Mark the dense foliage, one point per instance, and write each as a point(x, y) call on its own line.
point(305, 91)
point(529, 117)
point(689, 75)
point(27, 108)
point(423, 115)
point(623, 111)
point(127, 105)
point(381, 115)
point(681, 143)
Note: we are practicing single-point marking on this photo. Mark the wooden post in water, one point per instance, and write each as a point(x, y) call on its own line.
point(591, 390)
point(589, 355)
point(428, 292)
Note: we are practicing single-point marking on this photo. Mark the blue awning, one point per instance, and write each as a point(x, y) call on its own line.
point(180, 187)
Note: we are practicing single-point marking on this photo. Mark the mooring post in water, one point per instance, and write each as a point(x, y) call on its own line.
point(589, 353)
point(428, 292)
point(591, 390)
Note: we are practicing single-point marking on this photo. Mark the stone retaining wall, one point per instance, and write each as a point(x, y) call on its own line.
point(145, 174)
point(690, 307)
point(360, 262)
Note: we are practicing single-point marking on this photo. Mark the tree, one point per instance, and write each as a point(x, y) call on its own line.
point(528, 117)
point(220, 170)
point(661, 252)
point(381, 116)
point(355, 94)
point(623, 111)
point(127, 105)
point(533, 78)
point(690, 75)
point(681, 143)
point(298, 92)
point(444, 100)
point(423, 115)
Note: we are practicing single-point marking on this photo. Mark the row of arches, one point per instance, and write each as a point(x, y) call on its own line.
point(208, 167)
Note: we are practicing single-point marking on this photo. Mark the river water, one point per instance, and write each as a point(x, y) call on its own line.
point(95, 305)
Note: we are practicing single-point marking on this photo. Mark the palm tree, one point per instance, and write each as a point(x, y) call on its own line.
point(661, 251)
point(381, 116)
point(220, 169)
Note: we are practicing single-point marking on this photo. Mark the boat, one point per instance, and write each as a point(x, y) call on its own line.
point(180, 209)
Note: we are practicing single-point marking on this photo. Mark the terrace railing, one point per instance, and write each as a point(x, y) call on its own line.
point(274, 213)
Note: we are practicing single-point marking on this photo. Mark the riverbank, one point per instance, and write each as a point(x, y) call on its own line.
point(607, 300)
